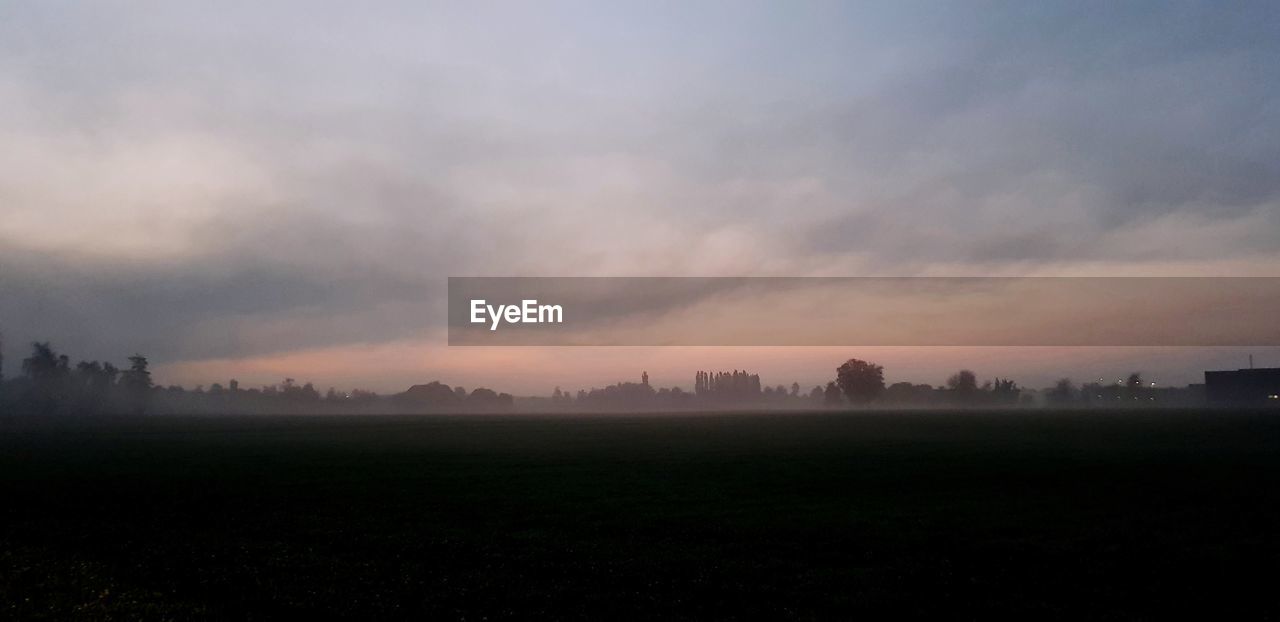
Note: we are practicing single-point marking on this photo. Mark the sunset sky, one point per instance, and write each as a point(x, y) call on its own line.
point(238, 190)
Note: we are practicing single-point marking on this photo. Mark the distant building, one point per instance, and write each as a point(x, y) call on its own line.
point(1243, 386)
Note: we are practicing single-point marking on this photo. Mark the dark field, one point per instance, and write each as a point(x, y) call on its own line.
point(1105, 515)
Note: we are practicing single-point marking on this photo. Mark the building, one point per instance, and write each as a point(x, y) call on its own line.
point(1243, 386)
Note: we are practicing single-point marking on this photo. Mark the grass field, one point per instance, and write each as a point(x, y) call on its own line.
point(1102, 515)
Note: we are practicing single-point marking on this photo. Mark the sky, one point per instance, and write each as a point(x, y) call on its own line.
point(271, 189)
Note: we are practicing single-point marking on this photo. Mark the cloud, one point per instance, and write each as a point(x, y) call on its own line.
point(242, 180)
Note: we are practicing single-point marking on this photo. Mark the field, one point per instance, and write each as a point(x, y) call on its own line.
point(797, 516)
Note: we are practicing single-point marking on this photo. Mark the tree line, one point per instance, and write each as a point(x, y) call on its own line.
point(48, 384)
point(859, 384)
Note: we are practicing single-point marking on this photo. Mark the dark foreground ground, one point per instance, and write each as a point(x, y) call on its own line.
point(1109, 515)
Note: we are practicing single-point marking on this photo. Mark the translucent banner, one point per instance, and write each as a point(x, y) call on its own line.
point(869, 311)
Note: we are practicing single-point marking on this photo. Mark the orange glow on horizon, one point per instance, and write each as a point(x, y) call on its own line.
point(394, 366)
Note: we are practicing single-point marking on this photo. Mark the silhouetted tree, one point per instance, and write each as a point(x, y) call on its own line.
point(831, 396)
point(963, 385)
point(94, 382)
point(1005, 391)
point(907, 393)
point(47, 372)
point(621, 395)
point(861, 381)
point(735, 386)
point(136, 382)
point(1063, 392)
point(302, 394)
point(482, 394)
point(488, 399)
point(433, 395)
point(816, 395)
